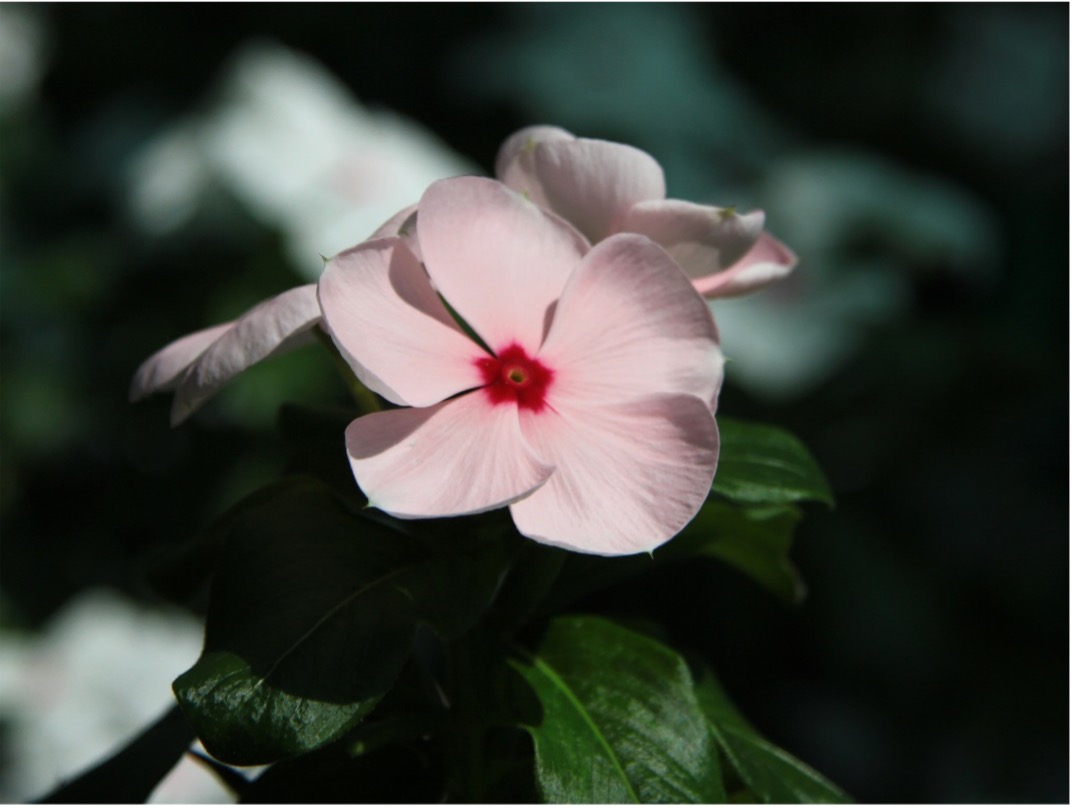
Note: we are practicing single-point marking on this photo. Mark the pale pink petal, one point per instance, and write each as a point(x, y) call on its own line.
point(461, 456)
point(593, 183)
point(276, 326)
point(702, 239)
point(163, 370)
point(768, 261)
point(403, 225)
point(628, 476)
point(395, 333)
point(629, 324)
point(515, 164)
point(499, 260)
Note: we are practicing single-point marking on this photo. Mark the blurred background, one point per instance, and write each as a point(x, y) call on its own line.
point(163, 168)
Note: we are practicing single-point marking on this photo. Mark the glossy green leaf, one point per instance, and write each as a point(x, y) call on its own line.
point(620, 722)
point(771, 774)
point(762, 464)
point(755, 540)
point(312, 616)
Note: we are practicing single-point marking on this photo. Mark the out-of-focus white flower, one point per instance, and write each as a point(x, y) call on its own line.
point(858, 222)
point(99, 674)
point(23, 48)
point(288, 140)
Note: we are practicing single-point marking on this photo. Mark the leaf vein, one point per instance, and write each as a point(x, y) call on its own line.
point(552, 675)
point(327, 616)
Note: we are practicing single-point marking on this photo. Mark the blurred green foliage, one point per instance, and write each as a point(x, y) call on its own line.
point(930, 661)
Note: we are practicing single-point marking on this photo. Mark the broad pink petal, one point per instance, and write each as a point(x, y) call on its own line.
point(768, 261)
point(628, 476)
point(702, 239)
point(393, 330)
point(163, 370)
point(499, 260)
point(515, 164)
point(461, 456)
point(276, 326)
point(593, 183)
point(403, 225)
point(630, 324)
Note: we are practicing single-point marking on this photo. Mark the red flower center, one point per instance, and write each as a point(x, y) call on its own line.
point(513, 376)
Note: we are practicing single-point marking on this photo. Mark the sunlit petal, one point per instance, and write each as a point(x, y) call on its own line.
point(629, 324)
point(593, 183)
point(462, 456)
point(702, 239)
point(164, 369)
point(768, 261)
point(393, 330)
point(499, 260)
point(627, 476)
point(273, 327)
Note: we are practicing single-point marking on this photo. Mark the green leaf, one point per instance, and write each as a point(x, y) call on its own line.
point(532, 576)
point(312, 616)
point(755, 540)
point(620, 720)
point(314, 439)
point(762, 464)
point(772, 774)
point(395, 774)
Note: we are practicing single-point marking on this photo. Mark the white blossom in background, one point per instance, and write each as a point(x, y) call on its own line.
point(289, 141)
point(793, 336)
point(98, 675)
point(23, 52)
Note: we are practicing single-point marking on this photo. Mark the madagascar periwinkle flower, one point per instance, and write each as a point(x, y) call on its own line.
point(586, 402)
point(198, 365)
point(604, 188)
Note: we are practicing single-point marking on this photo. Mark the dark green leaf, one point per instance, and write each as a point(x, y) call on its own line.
point(583, 574)
point(755, 540)
point(620, 721)
point(762, 464)
point(395, 774)
point(315, 445)
point(535, 570)
point(182, 574)
point(770, 772)
point(132, 774)
point(486, 755)
point(312, 616)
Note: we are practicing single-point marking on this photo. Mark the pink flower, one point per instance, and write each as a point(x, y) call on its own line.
point(605, 188)
point(198, 365)
point(590, 411)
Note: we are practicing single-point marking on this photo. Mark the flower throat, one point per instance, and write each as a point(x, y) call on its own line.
point(513, 376)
